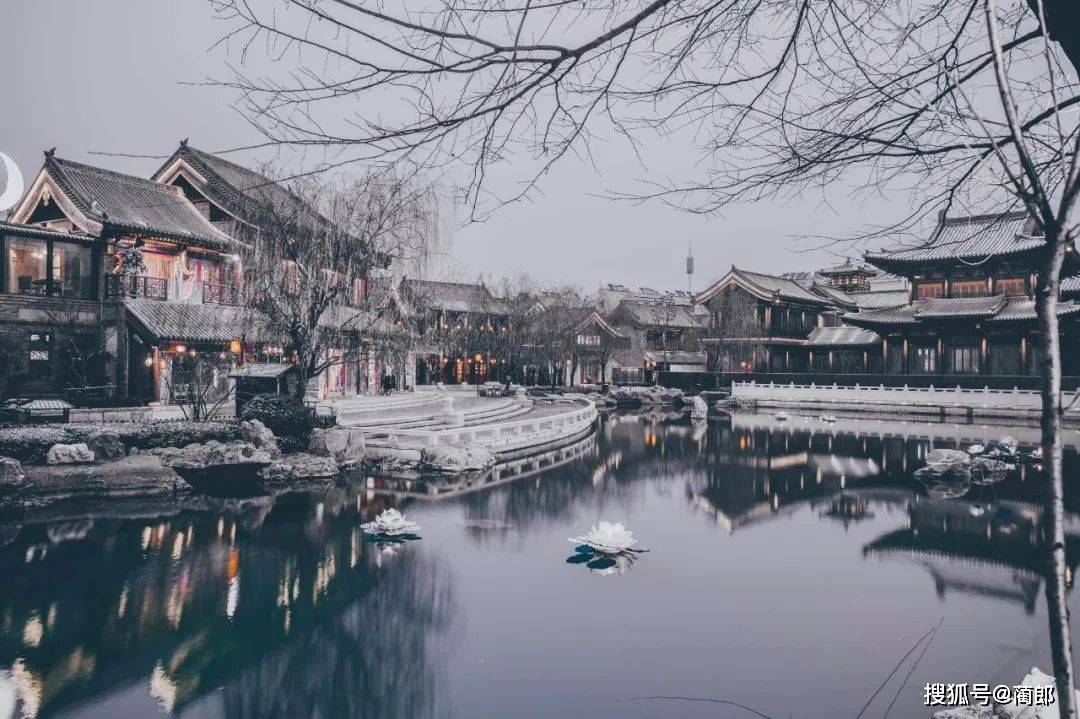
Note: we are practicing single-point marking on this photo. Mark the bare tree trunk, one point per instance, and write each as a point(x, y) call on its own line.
point(1052, 412)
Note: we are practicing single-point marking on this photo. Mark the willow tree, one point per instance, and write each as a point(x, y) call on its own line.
point(313, 246)
point(951, 103)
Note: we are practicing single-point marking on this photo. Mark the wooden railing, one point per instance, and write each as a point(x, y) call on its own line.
point(214, 293)
point(151, 288)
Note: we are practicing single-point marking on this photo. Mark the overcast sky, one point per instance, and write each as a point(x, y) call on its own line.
point(108, 76)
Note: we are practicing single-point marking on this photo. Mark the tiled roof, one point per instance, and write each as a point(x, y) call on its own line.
point(875, 300)
point(831, 293)
point(1023, 309)
point(452, 297)
point(192, 322)
point(994, 309)
point(959, 307)
point(969, 238)
point(848, 267)
point(676, 356)
point(841, 337)
point(780, 286)
point(261, 369)
point(239, 190)
point(659, 314)
point(134, 204)
point(12, 228)
point(902, 315)
point(1070, 284)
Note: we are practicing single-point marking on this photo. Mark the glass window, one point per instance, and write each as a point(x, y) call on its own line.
point(72, 272)
point(1010, 286)
point(26, 266)
point(923, 360)
point(969, 288)
point(928, 290)
point(963, 360)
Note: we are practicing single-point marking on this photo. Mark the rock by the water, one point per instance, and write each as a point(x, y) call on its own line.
point(944, 460)
point(69, 454)
point(105, 444)
point(259, 435)
point(1034, 678)
point(344, 445)
point(701, 409)
point(11, 474)
point(300, 466)
point(987, 471)
point(456, 459)
point(213, 454)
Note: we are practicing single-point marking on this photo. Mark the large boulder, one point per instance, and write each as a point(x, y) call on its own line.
point(300, 466)
point(259, 435)
point(214, 454)
point(700, 410)
point(11, 474)
point(456, 459)
point(69, 454)
point(947, 460)
point(344, 445)
point(105, 444)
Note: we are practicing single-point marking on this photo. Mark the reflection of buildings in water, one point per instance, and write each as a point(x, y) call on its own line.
point(193, 601)
point(992, 550)
point(848, 509)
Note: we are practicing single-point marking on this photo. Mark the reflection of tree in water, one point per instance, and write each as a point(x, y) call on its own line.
point(376, 657)
point(266, 599)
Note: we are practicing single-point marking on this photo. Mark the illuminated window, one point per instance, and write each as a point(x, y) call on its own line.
point(969, 288)
point(928, 290)
point(1010, 286)
point(923, 360)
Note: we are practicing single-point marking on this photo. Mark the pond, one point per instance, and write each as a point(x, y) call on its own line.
point(795, 568)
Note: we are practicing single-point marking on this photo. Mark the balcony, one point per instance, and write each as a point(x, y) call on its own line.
point(220, 294)
point(142, 287)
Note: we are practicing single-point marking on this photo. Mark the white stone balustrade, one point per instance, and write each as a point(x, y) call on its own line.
point(959, 397)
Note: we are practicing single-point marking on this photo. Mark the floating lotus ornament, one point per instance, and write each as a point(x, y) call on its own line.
point(390, 523)
point(607, 538)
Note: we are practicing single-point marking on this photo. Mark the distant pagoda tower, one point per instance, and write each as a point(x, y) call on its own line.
point(849, 277)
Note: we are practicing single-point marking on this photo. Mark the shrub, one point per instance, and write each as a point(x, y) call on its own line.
point(30, 443)
point(288, 418)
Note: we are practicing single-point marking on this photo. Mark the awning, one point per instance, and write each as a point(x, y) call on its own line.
point(676, 357)
point(842, 337)
point(192, 322)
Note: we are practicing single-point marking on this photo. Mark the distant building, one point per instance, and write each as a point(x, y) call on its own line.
point(971, 308)
point(765, 323)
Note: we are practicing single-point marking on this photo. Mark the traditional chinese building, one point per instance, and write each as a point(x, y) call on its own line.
point(664, 335)
point(94, 219)
point(970, 309)
point(765, 323)
point(140, 278)
point(462, 328)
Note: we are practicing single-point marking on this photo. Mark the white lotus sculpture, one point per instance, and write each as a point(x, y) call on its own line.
point(390, 523)
point(607, 538)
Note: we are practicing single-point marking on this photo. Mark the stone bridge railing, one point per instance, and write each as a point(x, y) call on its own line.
point(497, 436)
point(986, 398)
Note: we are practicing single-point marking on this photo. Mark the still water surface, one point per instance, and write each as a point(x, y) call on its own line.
point(792, 566)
